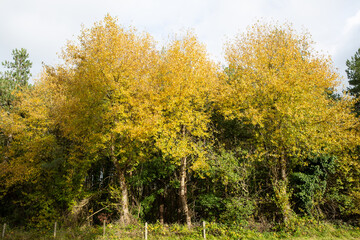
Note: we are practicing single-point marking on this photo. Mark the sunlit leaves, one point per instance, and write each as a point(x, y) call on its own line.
point(185, 83)
point(118, 100)
point(280, 85)
point(102, 93)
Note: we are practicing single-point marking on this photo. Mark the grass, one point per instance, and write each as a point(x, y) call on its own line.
point(301, 230)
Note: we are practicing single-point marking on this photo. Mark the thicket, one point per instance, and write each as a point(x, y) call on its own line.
point(125, 132)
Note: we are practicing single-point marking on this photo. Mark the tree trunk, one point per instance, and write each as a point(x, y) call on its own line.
point(183, 190)
point(161, 212)
point(283, 193)
point(162, 206)
point(124, 198)
point(125, 214)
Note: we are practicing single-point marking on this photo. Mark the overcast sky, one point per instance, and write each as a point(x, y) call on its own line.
point(44, 26)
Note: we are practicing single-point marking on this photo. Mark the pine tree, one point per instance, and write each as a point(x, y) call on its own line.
point(353, 74)
point(16, 77)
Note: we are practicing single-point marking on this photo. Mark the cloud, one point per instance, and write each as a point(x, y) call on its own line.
point(43, 27)
point(352, 22)
point(347, 43)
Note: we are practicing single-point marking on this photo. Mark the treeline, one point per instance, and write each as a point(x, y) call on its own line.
point(126, 132)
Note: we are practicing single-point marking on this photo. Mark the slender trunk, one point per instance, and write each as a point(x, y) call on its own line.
point(280, 184)
point(161, 212)
point(183, 190)
point(162, 206)
point(124, 197)
point(284, 195)
point(125, 214)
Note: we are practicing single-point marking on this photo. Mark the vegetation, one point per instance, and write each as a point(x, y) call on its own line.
point(307, 229)
point(353, 74)
point(125, 133)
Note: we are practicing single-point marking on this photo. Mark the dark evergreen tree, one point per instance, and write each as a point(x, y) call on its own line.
point(353, 74)
point(15, 77)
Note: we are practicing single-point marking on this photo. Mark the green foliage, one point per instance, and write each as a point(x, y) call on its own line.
point(303, 228)
point(239, 210)
point(310, 183)
point(15, 78)
point(19, 70)
point(343, 191)
point(353, 73)
point(232, 169)
point(210, 206)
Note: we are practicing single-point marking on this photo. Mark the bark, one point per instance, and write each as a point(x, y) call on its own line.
point(162, 207)
point(183, 190)
point(280, 184)
point(125, 214)
point(286, 208)
point(161, 212)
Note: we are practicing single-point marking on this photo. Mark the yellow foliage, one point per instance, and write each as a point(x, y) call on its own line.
point(185, 85)
point(103, 93)
point(28, 142)
point(281, 86)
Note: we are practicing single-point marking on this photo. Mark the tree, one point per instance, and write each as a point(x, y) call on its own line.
point(101, 96)
point(353, 74)
point(185, 82)
point(280, 87)
point(12, 82)
point(15, 77)
point(31, 161)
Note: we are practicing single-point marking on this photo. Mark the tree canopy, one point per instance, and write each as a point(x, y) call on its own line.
point(281, 88)
point(125, 129)
point(353, 73)
point(15, 77)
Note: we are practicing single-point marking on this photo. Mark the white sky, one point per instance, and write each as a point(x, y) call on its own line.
point(44, 26)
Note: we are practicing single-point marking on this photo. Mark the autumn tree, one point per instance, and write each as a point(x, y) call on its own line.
point(185, 82)
point(13, 80)
point(101, 96)
point(31, 156)
point(280, 87)
point(32, 163)
point(170, 131)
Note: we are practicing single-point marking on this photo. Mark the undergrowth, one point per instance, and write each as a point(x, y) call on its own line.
point(300, 228)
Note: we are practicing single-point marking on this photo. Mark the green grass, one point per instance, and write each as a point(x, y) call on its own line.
point(301, 230)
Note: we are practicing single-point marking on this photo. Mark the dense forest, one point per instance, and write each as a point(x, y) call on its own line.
point(125, 130)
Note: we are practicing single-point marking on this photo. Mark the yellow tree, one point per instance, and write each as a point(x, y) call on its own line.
point(27, 126)
point(101, 95)
point(184, 84)
point(31, 159)
point(278, 84)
